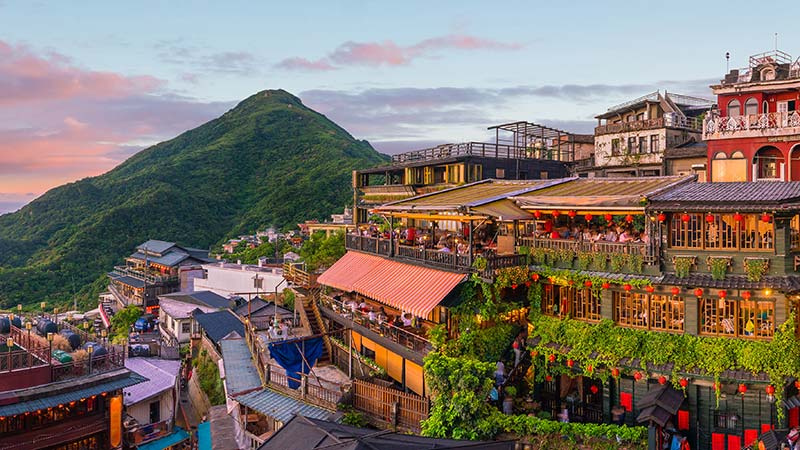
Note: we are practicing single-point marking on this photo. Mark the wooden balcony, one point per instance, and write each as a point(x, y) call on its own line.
point(296, 273)
point(147, 276)
point(481, 149)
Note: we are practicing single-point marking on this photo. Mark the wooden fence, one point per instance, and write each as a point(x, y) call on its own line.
point(390, 405)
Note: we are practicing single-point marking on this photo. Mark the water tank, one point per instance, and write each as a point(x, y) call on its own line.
point(73, 339)
point(5, 325)
point(97, 351)
point(46, 326)
point(17, 322)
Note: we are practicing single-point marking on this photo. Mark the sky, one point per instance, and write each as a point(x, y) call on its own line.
point(85, 85)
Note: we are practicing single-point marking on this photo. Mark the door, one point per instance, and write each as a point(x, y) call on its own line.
point(783, 113)
point(155, 412)
point(794, 164)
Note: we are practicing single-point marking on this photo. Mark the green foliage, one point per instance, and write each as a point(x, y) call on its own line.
point(321, 250)
point(288, 298)
point(756, 268)
point(523, 425)
point(618, 261)
point(207, 374)
point(564, 257)
point(635, 262)
point(538, 255)
point(269, 161)
point(355, 419)
point(122, 321)
point(682, 265)
point(265, 250)
point(719, 267)
point(584, 259)
point(599, 260)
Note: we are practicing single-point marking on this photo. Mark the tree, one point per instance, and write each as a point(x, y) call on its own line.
point(122, 321)
point(322, 251)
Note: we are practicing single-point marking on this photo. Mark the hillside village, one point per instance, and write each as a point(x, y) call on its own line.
point(546, 289)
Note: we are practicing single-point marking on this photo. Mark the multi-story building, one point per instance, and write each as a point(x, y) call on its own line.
point(151, 407)
point(630, 138)
point(246, 280)
point(155, 268)
point(755, 131)
point(700, 261)
point(67, 401)
point(521, 151)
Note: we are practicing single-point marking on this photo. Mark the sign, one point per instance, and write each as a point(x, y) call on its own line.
point(115, 433)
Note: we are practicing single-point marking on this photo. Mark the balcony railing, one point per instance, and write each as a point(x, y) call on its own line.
point(144, 276)
point(150, 432)
point(608, 248)
point(482, 149)
point(114, 359)
point(768, 124)
point(670, 120)
point(399, 335)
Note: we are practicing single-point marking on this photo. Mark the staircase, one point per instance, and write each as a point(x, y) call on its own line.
point(314, 319)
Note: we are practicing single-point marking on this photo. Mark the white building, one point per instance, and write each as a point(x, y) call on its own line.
point(150, 406)
point(176, 324)
point(229, 279)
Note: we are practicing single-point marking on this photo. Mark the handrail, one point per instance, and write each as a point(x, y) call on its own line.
point(667, 121)
point(482, 149)
point(630, 248)
point(139, 275)
point(751, 122)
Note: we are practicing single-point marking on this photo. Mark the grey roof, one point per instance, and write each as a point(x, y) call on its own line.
point(223, 428)
point(752, 195)
point(303, 433)
point(260, 307)
point(240, 372)
point(787, 283)
point(181, 310)
point(280, 407)
point(659, 404)
point(66, 396)
point(201, 298)
point(124, 279)
point(155, 246)
point(170, 259)
point(161, 376)
point(220, 324)
point(689, 149)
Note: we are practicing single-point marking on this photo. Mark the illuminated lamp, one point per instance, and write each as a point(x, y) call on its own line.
point(683, 382)
point(746, 295)
point(797, 384)
point(662, 217)
point(571, 282)
point(570, 363)
point(514, 286)
point(572, 214)
point(629, 218)
point(527, 284)
point(742, 388)
point(556, 213)
point(535, 277)
point(765, 218)
point(709, 218)
point(627, 287)
point(552, 358)
point(676, 290)
point(685, 217)
point(606, 285)
point(698, 292)
point(590, 368)
point(548, 378)
point(738, 217)
point(723, 294)
point(594, 389)
point(534, 353)
point(587, 283)
point(588, 217)
point(637, 376)
point(662, 380)
point(770, 389)
point(767, 292)
point(608, 217)
point(649, 289)
point(537, 214)
point(615, 372)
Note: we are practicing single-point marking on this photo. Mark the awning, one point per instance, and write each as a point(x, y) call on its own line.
point(431, 217)
point(659, 404)
point(178, 435)
point(504, 210)
point(204, 436)
point(281, 407)
point(407, 287)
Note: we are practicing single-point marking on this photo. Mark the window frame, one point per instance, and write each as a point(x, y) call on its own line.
point(749, 235)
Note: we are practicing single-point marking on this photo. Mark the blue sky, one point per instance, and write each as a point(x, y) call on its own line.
point(87, 84)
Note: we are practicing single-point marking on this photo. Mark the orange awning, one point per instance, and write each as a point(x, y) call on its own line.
point(407, 287)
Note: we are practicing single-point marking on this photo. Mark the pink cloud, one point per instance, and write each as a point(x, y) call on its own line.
point(388, 53)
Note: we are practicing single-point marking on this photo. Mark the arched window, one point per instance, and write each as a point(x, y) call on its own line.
point(734, 108)
point(751, 107)
point(737, 155)
point(767, 74)
point(720, 155)
point(769, 161)
point(764, 107)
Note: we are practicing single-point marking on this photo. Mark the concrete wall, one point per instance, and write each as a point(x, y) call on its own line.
point(141, 411)
point(229, 280)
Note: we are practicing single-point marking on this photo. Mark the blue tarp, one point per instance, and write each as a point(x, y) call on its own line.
point(204, 436)
point(178, 435)
point(289, 355)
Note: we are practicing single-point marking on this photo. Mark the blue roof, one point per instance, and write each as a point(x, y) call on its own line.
point(204, 436)
point(170, 259)
point(70, 396)
point(240, 372)
point(281, 407)
point(178, 435)
point(219, 324)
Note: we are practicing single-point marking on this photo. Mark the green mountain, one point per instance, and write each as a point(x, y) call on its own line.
point(268, 161)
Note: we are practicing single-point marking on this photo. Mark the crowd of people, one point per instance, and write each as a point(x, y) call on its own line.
point(592, 233)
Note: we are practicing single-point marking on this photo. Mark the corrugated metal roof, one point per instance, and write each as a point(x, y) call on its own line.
point(71, 396)
point(156, 246)
point(281, 407)
point(750, 192)
point(240, 372)
point(161, 375)
point(220, 324)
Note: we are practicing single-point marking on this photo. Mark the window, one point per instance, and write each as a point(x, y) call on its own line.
point(666, 312)
point(155, 412)
point(630, 309)
point(640, 116)
point(585, 305)
point(186, 327)
point(764, 107)
point(654, 148)
point(751, 106)
point(643, 144)
point(721, 232)
point(555, 300)
point(756, 318)
point(795, 232)
point(734, 108)
point(686, 234)
point(615, 147)
point(499, 173)
point(631, 145)
point(648, 311)
point(543, 175)
point(744, 318)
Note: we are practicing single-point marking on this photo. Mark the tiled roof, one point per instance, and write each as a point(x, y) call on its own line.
point(281, 407)
point(161, 375)
point(753, 195)
point(220, 324)
point(240, 372)
point(689, 149)
point(181, 310)
point(788, 283)
point(156, 246)
point(170, 259)
point(124, 279)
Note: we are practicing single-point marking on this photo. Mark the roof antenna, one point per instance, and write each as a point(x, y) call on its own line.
point(776, 42)
point(727, 62)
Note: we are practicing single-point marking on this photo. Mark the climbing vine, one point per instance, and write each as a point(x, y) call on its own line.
point(719, 267)
point(756, 269)
point(618, 261)
point(682, 265)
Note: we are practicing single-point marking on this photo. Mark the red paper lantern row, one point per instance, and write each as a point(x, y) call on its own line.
point(709, 218)
point(534, 353)
point(572, 214)
point(637, 376)
point(676, 290)
point(571, 282)
point(615, 372)
point(608, 217)
point(537, 214)
point(570, 363)
point(627, 287)
point(698, 292)
point(514, 286)
point(716, 386)
point(556, 213)
point(594, 389)
point(723, 294)
point(770, 389)
point(662, 217)
point(629, 218)
point(588, 217)
point(742, 388)
point(683, 382)
point(551, 358)
point(686, 218)
point(738, 217)
point(548, 378)
point(797, 384)
point(662, 380)
point(649, 289)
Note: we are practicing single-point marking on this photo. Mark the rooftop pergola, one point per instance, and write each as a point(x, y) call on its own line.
point(539, 138)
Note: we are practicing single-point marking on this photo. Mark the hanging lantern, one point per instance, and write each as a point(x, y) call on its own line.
point(534, 353)
point(608, 217)
point(637, 376)
point(662, 380)
point(615, 372)
point(770, 389)
point(698, 292)
point(627, 287)
point(746, 295)
point(629, 218)
point(797, 385)
point(742, 388)
point(590, 368)
point(676, 290)
point(556, 213)
point(555, 235)
point(765, 218)
point(572, 214)
point(662, 217)
point(649, 289)
point(570, 363)
point(571, 282)
point(588, 217)
point(605, 285)
point(548, 378)
point(537, 214)
point(683, 382)
point(594, 389)
point(738, 217)
point(716, 386)
point(527, 284)
point(535, 277)
point(709, 218)
point(552, 358)
point(685, 217)
point(587, 283)
point(723, 294)
point(514, 286)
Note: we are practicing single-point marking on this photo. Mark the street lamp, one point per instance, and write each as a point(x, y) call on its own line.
point(10, 345)
point(50, 355)
point(28, 326)
point(104, 335)
point(90, 349)
point(43, 305)
point(55, 313)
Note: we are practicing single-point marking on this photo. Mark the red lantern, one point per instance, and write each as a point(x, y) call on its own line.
point(556, 213)
point(554, 235)
point(765, 218)
point(649, 289)
point(629, 218)
point(535, 277)
point(716, 386)
point(605, 285)
point(797, 384)
point(723, 294)
point(684, 382)
point(709, 218)
point(571, 282)
point(608, 217)
point(676, 291)
point(590, 368)
point(552, 358)
point(746, 295)
point(587, 283)
point(588, 217)
point(572, 214)
point(514, 286)
point(637, 376)
point(615, 372)
point(570, 363)
point(594, 389)
point(662, 217)
point(738, 217)
point(662, 380)
point(698, 292)
point(686, 217)
point(742, 388)
point(770, 389)
point(527, 284)
point(548, 378)
point(627, 287)
point(537, 214)
point(534, 353)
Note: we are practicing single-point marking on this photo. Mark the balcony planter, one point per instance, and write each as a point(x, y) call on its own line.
point(584, 259)
point(564, 257)
point(618, 262)
point(756, 268)
point(635, 262)
point(599, 260)
point(718, 266)
point(683, 265)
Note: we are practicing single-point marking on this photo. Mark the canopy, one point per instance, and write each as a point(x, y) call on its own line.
point(178, 435)
point(504, 210)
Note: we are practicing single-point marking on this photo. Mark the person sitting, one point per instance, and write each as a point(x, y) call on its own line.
point(372, 315)
point(500, 374)
point(363, 306)
point(406, 320)
point(445, 249)
point(398, 321)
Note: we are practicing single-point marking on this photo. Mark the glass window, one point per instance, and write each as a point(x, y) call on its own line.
point(654, 147)
point(631, 145)
point(686, 234)
point(734, 108)
point(666, 312)
point(744, 318)
point(643, 144)
point(717, 316)
point(751, 106)
point(615, 147)
point(555, 300)
point(630, 309)
point(585, 305)
point(499, 173)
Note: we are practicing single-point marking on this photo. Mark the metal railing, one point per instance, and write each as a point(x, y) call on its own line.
point(144, 276)
point(751, 122)
point(114, 359)
point(609, 248)
point(670, 120)
point(32, 353)
point(149, 432)
point(482, 149)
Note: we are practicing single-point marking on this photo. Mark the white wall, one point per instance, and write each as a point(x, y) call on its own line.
point(230, 280)
point(141, 411)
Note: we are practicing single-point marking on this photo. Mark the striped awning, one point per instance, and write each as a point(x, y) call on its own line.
point(503, 210)
point(407, 287)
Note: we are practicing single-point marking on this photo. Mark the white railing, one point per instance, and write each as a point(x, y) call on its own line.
point(751, 122)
